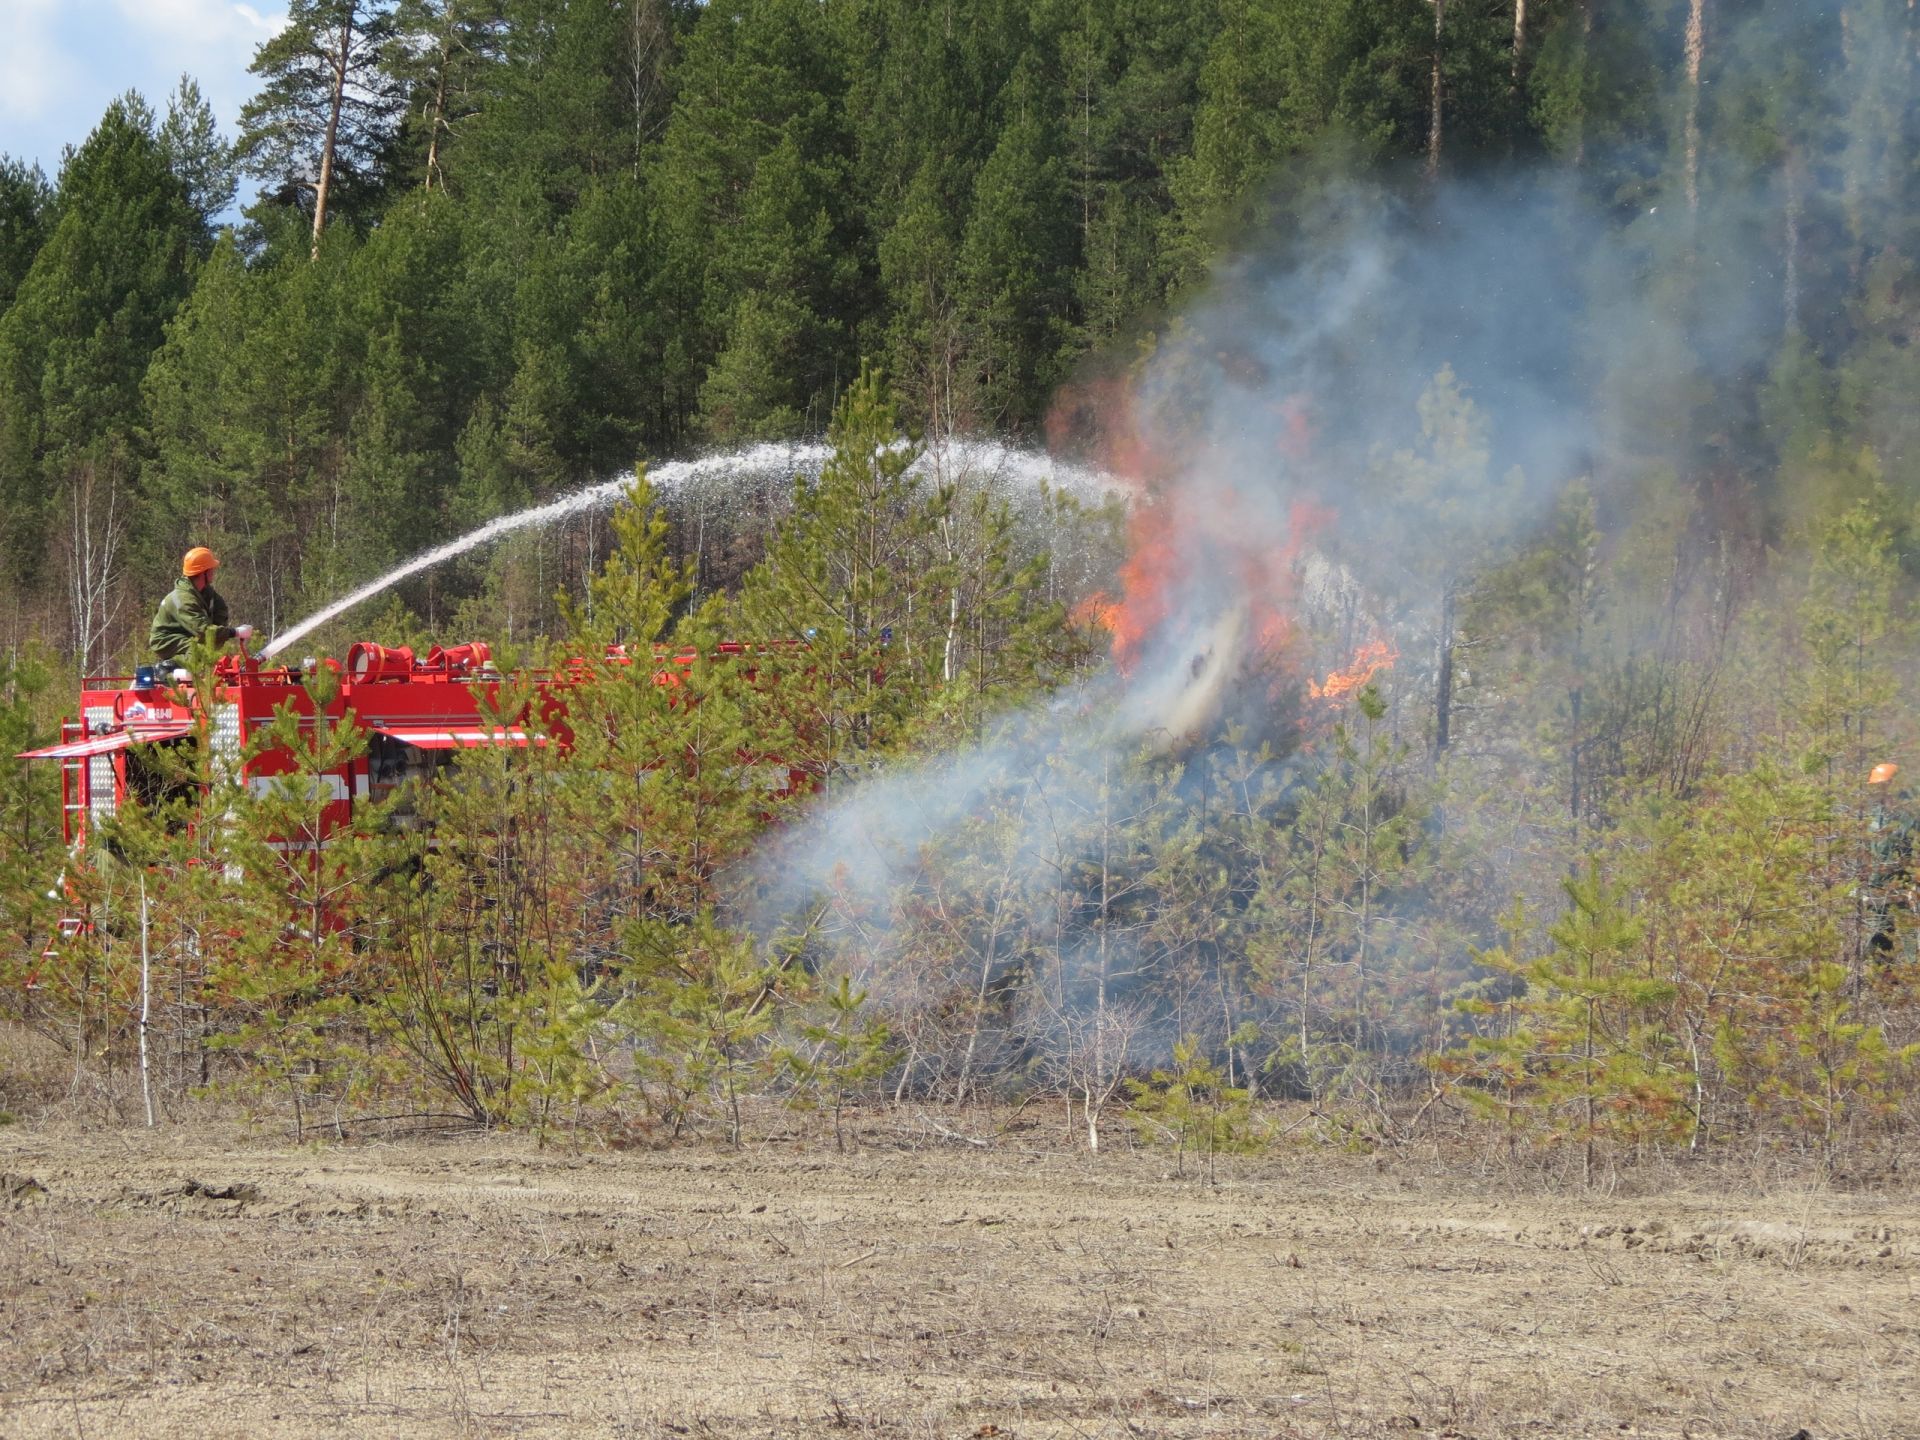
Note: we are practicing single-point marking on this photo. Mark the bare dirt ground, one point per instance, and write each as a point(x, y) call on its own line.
point(174, 1283)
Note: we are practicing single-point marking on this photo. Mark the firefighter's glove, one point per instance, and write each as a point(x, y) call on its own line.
point(243, 633)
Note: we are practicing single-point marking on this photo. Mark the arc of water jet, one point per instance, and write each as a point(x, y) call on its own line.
point(760, 457)
point(985, 454)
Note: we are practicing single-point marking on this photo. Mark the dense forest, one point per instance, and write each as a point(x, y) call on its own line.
point(1453, 704)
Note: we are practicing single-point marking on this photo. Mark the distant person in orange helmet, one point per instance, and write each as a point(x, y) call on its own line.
point(191, 609)
point(1890, 887)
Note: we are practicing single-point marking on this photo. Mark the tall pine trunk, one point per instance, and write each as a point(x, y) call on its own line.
point(1586, 44)
point(1434, 114)
point(1790, 282)
point(1696, 54)
point(439, 101)
point(336, 104)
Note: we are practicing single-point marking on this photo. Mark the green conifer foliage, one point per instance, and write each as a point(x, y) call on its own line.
point(1445, 492)
point(198, 154)
point(700, 1013)
point(1581, 1053)
point(850, 657)
point(580, 232)
point(443, 55)
point(73, 346)
point(751, 174)
point(675, 780)
point(1848, 621)
point(1191, 1104)
point(926, 331)
point(318, 129)
point(300, 898)
point(30, 842)
point(485, 901)
point(246, 395)
point(1330, 941)
point(1001, 641)
point(844, 1051)
point(1015, 260)
point(26, 215)
point(1280, 76)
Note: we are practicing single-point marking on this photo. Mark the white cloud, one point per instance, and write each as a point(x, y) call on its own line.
point(212, 40)
point(63, 61)
point(36, 69)
point(204, 21)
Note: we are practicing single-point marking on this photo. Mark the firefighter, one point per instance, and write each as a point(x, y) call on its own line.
point(191, 609)
point(1891, 825)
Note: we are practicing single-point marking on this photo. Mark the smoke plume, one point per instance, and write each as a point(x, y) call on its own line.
point(1379, 395)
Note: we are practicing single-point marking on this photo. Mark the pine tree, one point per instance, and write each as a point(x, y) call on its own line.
point(1734, 918)
point(246, 397)
point(26, 215)
point(73, 346)
point(701, 1008)
point(1847, 619)
point(299, 891)
point(1541, 625)
point(1586, 1056)
point(619, 334)
point(848, 1050)
point(849, 655)
point(1334, 946)
point(442, 56)
point(1001, 641)
point(318, 130)
point(1110, 819)
point(203, 161)
point(1015, 276)
point(30, 848)
point(926, 332)
point(681, 776)
point(573, 98)
point(1128, 84)
point(1446, 494)
point(951, 950)
point(1282, 76)
point(1843, 694)
point(1192, 1102)
point(476, 913)
point(751, 178)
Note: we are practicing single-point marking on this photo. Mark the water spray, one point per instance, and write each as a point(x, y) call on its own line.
point(794, 458)
point(969, 455)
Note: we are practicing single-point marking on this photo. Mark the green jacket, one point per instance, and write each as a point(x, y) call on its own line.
point(184, 617)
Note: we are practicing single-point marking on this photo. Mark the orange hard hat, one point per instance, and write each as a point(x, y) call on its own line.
point(1882, 773)
point(198, 561)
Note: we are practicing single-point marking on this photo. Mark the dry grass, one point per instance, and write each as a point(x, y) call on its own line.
point(199, 1283)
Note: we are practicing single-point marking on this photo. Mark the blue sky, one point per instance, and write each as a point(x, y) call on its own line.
point(62, 61)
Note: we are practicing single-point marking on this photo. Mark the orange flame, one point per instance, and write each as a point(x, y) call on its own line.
point(1373, 657)
point(1186, 520)
point(1157, 563)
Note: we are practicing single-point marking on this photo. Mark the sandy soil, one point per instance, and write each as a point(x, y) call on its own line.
point(169, 1284)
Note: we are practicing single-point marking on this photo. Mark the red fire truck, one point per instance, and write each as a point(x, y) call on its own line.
point(417, 712)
